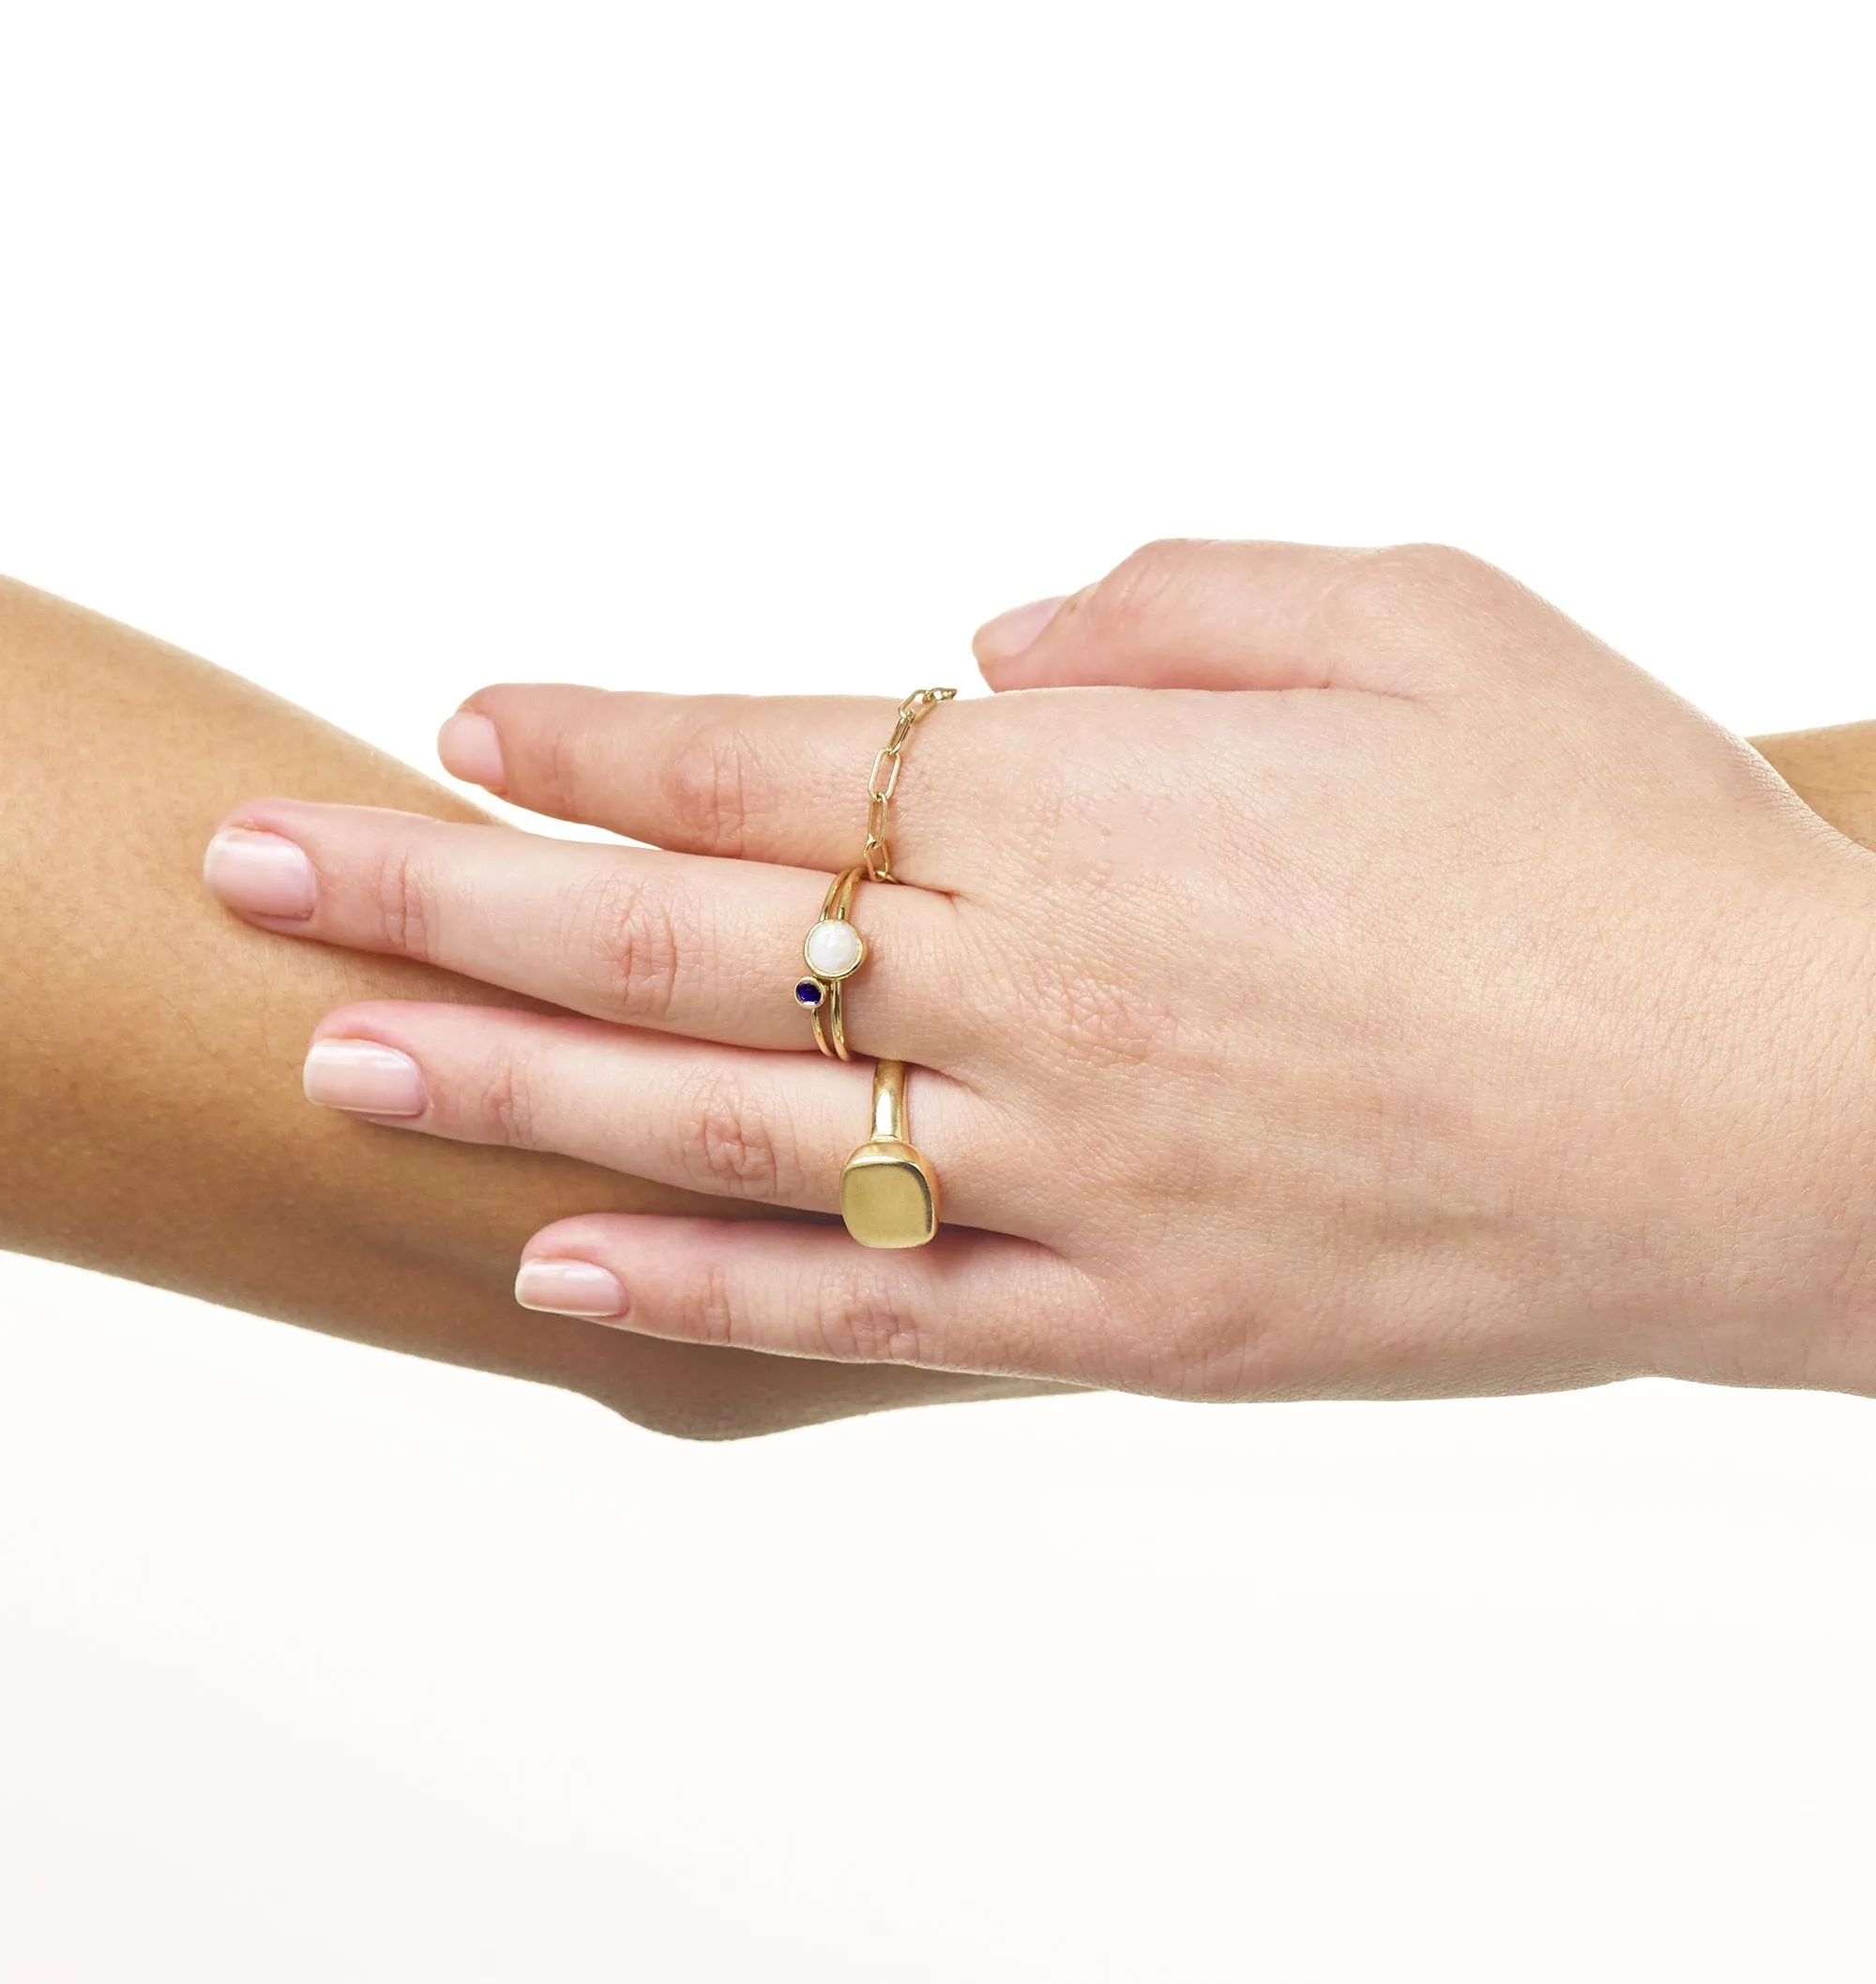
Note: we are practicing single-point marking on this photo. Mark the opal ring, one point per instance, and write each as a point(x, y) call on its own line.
point(888, 1189)
point(833, 951)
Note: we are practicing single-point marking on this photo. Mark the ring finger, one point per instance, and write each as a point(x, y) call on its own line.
point(733, 1123)
point(680, 943)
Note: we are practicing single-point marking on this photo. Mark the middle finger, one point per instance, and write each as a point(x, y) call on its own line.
point(679, 943)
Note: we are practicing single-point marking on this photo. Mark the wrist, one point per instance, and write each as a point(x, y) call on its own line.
point(1785, 1245)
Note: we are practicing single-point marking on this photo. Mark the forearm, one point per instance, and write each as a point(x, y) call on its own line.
point(151, 1122)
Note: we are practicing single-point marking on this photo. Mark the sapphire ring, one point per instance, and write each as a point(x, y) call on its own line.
point(833, 951)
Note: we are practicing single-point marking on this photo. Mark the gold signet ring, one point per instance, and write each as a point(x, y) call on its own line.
point(888, 1190)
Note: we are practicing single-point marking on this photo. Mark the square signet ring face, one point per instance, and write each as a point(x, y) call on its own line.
point(888, 1192)
point(889, 1196)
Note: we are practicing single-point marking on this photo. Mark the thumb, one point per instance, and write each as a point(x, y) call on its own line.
point(1188, 614)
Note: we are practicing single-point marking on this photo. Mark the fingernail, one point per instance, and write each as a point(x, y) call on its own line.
point(1014, 632)
point(261, 874)
point(570, 1288)
point(470, 750)
point(365, 1078)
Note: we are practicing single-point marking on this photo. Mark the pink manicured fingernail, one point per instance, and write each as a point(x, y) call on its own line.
point(365, 1078)
point(261, 874)
point(571, 1288)
point(470, 750)
point(1014, 632)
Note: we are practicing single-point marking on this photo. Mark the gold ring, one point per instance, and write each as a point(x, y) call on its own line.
point(888, 1190)
point(833, 951)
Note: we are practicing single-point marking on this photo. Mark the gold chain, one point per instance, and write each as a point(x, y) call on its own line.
point(877, 854)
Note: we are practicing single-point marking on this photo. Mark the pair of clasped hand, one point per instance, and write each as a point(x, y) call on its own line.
point(1322, 973)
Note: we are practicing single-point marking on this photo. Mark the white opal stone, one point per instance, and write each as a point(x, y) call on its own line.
point(833, 949)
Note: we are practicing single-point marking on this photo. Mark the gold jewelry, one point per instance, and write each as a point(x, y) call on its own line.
point(876, 854)
point(833, 951)
point(888, 1192)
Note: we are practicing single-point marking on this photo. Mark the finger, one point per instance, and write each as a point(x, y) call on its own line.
point(734, 1122)
point(779, 779)
point(1196, 615)
point(674, 942)
point(969, 1301)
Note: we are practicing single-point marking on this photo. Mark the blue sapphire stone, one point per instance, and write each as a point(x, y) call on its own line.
point(810, 991)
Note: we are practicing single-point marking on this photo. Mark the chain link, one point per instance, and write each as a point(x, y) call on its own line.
point(884, 780)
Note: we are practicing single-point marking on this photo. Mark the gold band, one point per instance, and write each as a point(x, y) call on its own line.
point(833, 951)
point(888, 1189)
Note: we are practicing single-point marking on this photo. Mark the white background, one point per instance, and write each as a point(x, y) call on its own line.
point(380, 352)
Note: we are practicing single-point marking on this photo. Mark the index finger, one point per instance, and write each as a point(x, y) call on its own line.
point(779, 779)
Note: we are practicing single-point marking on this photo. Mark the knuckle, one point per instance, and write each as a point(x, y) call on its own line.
point(1209, 1352)
point(636, 940)
point(1438, 610)
point(1412, 577)
point(404, 905)
point(711, 1300)
point(1094, 1019)
point(1084, 1010)
point(712, 787)
point(728, 1143)
point(863, 1321)
point(1209, 1362)
point(559, 768)
point(508, 1105)
point(1141, 582)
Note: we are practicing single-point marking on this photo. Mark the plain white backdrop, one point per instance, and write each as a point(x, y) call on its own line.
point(383, 352)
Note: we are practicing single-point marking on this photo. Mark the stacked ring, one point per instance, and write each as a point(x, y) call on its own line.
point(833, 951)
point(888, 1189)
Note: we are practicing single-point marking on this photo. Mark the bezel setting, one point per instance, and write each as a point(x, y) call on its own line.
point(850, 934)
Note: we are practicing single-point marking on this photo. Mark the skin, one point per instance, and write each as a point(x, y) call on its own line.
point(1833, 771)
point(152, 1123)
point(1329, 973)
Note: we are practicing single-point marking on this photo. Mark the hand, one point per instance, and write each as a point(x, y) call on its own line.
point(1442, 1006)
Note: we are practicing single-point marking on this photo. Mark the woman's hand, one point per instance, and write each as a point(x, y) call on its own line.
point(1407, 996)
